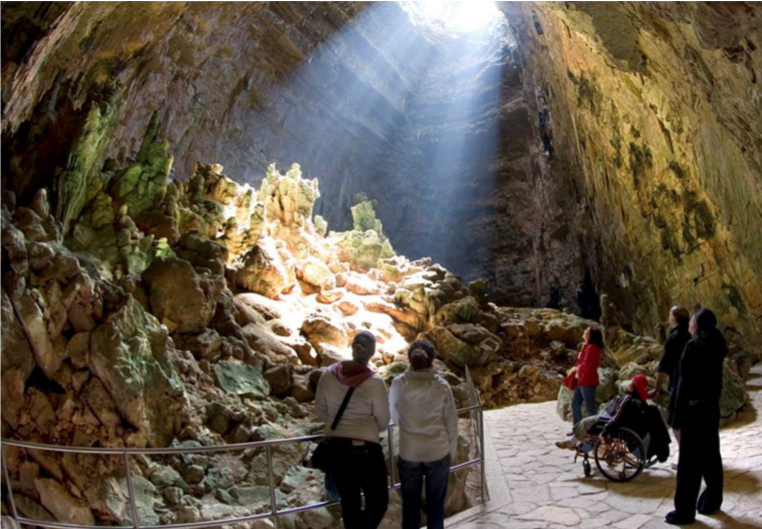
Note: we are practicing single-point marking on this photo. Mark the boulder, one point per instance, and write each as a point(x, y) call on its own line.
point(563, 403)
point(146, 498)
point(16, 351)
point(61, 504)
point(330, 296)
point(302, 389)
point(219, 419)
point(317, 274)
point(32, 318)
point(265, 308)
point(280, 378)
point(319, 330)
point(465, 310)
point(130, 354)
point(12, 388)
point(607, 389)
point(263, 270)
point(263, 341)
point(182, 299)
point(204, 346)
point(567, 329)
point(465, 345)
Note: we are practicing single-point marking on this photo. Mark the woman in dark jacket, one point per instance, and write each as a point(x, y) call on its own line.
point(697, 417)
point(587, 374)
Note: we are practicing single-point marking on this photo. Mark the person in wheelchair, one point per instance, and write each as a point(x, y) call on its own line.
point(628, 409)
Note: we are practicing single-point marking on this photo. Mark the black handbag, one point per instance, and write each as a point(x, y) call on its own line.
point(323, 457)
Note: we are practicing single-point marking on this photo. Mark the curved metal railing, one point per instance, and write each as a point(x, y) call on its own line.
point(475, 412)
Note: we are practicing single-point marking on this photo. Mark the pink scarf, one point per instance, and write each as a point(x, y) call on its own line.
point(351, 373)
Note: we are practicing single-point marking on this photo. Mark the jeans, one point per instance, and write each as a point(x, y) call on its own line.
point(362, 469)
point(436, 474)
point(586, 394)
point(583, 427)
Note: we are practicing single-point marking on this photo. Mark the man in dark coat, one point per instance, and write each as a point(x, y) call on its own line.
point(697, 416)
point(673, 350)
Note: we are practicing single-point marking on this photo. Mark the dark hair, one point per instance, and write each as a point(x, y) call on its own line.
point(363, 346)
point(596, 337)
point(706, 321)
point(681, 314)
point(421, 354)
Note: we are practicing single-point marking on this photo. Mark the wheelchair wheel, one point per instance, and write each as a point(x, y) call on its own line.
point(622, 458)
point(588, 469)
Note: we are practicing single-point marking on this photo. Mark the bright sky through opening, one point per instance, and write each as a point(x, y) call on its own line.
point(458, 16)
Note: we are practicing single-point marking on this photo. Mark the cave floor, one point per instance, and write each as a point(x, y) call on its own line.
point(534, 485)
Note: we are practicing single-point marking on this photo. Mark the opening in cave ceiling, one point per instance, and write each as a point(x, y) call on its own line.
point(455, 17)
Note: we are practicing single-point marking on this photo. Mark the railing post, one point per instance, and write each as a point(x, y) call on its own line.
point(483, 456)
point(131, 490)
point(392, 467)
point(271, 481)
point(7, 476)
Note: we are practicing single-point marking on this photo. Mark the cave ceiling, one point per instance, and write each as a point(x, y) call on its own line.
point(653, 192)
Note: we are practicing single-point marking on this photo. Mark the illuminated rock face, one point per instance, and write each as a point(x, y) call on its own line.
point(439, 132)
point(656, 119)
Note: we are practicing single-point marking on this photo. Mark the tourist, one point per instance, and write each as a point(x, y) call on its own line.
point(697, 417)
point(679, 335)
point(626, 410)
point(355, 442)
point(586, 374)
point(670, 358)
point(423, 407)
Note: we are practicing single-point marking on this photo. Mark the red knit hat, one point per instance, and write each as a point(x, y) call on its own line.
point(640, 383)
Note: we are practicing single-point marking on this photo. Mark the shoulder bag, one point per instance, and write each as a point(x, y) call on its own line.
point(323, 457)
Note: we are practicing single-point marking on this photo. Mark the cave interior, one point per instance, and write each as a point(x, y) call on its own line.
point(218, 195)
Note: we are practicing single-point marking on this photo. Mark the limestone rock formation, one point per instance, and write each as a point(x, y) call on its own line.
point(149, 346)
point(659, 103)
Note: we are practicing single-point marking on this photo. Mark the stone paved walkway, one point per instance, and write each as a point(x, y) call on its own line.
point(534, 485)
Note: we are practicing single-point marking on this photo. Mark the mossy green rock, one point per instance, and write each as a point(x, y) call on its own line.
point(240, 379)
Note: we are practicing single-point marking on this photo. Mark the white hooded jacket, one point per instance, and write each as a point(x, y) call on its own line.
point(422, 405)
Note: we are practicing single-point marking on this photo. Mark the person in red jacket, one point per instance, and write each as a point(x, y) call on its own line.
point(586, 372)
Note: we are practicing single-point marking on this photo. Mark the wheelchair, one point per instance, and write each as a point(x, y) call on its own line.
point(621, 457)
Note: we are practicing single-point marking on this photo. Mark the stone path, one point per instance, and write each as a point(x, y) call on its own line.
point(534, 485)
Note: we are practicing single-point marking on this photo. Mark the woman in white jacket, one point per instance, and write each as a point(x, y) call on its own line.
point(422, 405)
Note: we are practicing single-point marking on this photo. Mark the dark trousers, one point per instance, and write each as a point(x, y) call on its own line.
point(361, 469)
point(586, 394)
point(412, 476)
point(699, 459)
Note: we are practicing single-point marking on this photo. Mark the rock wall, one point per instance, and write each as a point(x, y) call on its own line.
point(656, 117)
point(362, 96)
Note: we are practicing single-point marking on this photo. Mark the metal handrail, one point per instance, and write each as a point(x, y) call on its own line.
point(475, 411)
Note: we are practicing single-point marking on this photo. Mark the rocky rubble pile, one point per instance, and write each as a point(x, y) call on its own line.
point(143, 311)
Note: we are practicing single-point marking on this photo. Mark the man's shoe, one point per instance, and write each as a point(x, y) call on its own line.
point(675, 519)
point(566, 445)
